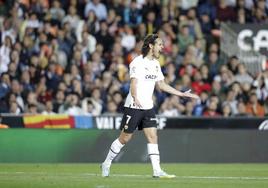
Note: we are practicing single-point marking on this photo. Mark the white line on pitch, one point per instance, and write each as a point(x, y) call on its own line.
point(137, 175)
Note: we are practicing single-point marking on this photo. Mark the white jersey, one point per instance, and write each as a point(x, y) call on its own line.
point(147, 72)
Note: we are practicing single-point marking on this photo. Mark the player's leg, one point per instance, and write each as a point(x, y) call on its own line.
point(150, 131)
point(153, 152)
point(116, 147)
point(114, 150)
point(128, 126)
point(152, 148)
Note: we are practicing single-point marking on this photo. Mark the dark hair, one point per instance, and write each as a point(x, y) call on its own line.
point(149, 39)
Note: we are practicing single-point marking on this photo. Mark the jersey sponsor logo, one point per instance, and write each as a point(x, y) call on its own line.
point(150, 76)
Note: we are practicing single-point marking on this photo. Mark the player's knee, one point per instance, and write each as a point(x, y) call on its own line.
point(124, 138)
point(152, 138)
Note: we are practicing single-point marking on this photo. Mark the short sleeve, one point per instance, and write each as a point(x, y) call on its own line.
point(134, 70)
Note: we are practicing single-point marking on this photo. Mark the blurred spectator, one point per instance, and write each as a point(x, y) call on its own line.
point(88, 43)
point(231, 101)
point(56, 11)
point(8, 32)
point(52, 78)
point(150, 22)
point(185, 83)
point(184, 38)
point(214, 63)
point(167, 35)
point(74, 74)
point(226, 111)
point(113, 22)
point(111, 108)
point(58, 101)
point(76, 87)
point(98, 7)
point(225, 77)
point(97, 101)
point(170, 73)
point(5, 51)
point(91, 107)
point(13, 70)
point(200, 105)
point(206, 6)
point(241, 110)
point(134, 53)
point(128, 39)
point(260, 12)
point(211, 110)
point(175, 55)
point(32, 109)
point(253, 107)
point(199, 85)
point(172, 107)
point(140, 32)
point(189, 108)
point(92, 23)
point(14, 108)
point(4, 84)
point(118, 100)
point(16, 89)
point(32, 101)
point(193, 24)
point(97, 64)
point(48, 109)
point(206, 24)
point(199, 51)
point(261, 84)
point(216, 88)
point(132, 15)
point(243, 13)
point(104, 38)
point(225, 12)
point(232, 64)
point(87, 107)
point(71, 18)
point(71, 106)
point(42, 92)
point(243, 76)
point(237, 89)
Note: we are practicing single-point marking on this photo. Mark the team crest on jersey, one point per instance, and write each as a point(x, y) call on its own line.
point(156, 68)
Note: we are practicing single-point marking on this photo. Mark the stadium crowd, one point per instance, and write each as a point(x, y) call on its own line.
point(72, 57)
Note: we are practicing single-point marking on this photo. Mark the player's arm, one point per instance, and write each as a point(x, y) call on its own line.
point(167, 88)
point(133, 92)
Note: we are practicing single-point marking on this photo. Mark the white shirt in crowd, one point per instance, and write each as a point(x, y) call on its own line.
point(4, 58)
point(147, 72)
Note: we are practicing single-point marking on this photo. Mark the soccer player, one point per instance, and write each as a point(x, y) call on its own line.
point(145, 72)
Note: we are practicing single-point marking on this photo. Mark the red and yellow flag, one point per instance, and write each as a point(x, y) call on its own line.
point(48, 121)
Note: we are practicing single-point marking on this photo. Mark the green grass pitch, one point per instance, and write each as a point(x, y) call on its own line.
point(87, 175)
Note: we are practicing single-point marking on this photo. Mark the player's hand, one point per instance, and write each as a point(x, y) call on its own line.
point(190, 95)
point(136, 102)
